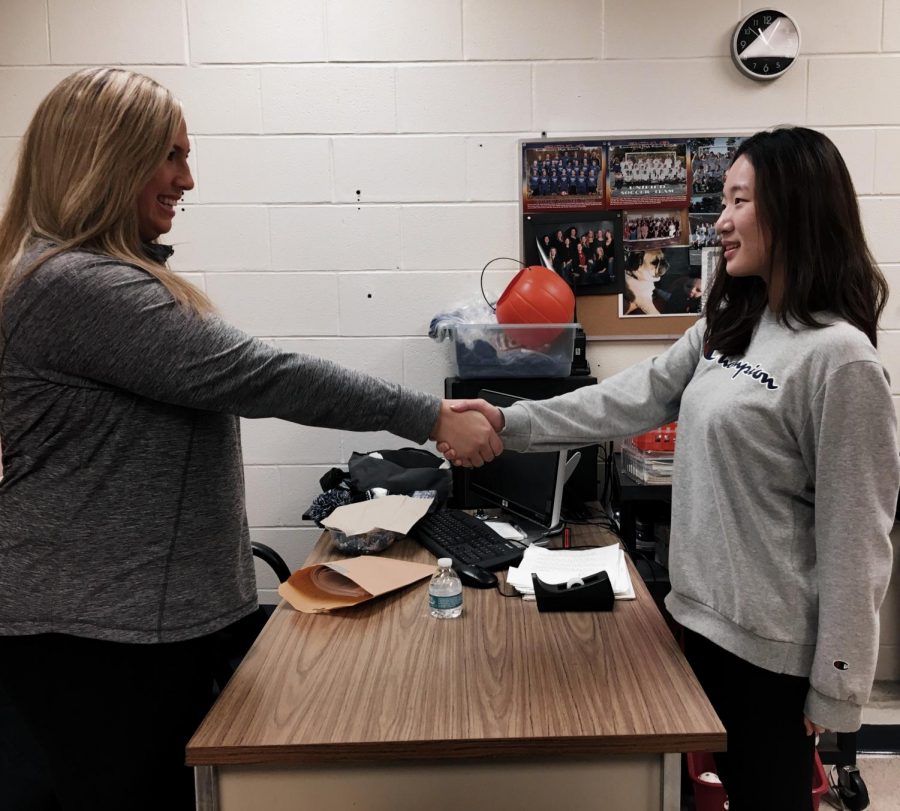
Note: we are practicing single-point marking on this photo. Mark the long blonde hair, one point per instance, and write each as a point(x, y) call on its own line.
point(93, 144)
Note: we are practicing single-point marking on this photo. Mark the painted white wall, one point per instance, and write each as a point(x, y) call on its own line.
point(356, 161)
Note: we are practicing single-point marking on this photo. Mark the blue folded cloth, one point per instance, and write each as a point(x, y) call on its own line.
point(526, 362)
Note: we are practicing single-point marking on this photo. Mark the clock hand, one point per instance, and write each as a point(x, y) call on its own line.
point(762, 36)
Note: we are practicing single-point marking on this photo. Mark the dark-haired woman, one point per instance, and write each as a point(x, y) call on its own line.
point(777, 568)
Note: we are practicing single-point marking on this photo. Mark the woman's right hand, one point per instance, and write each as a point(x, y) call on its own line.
point(493, 414)
point(467, 434)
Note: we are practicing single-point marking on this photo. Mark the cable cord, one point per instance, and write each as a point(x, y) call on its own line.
point(481, 280)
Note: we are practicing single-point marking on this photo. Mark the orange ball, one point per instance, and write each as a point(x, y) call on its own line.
point(537, 295)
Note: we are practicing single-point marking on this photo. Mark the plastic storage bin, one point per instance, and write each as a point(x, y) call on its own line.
point(712, 797)
point(514, 350)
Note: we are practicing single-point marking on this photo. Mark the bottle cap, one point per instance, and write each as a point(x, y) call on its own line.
point(445, 563)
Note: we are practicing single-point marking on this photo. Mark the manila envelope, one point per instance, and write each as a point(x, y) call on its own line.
point(342, 583)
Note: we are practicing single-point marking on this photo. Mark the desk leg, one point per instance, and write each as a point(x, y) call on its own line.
point(206, 787)
point(671, 782)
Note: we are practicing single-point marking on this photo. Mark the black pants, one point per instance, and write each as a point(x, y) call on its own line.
point(769, 762)
point(113, 719)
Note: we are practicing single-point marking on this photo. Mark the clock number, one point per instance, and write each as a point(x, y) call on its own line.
point(778, 66)
point(767, 19)
point(753, 66)
point(743, 44)
point(766, 68)
point(748, 32)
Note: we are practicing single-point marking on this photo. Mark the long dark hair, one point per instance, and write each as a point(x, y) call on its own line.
point(806, 205)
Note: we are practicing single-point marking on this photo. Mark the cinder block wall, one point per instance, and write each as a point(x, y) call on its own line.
point(356, 161)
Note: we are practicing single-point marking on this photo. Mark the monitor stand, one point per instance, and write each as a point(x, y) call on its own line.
point(534, 533)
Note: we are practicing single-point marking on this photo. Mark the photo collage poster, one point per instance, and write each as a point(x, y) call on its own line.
point(632, 217)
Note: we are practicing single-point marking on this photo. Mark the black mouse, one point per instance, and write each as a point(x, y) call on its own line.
point(475, 576)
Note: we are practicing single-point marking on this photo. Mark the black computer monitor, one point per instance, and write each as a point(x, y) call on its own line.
point(528, 485)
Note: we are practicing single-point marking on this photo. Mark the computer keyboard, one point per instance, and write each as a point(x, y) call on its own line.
point(467, 540)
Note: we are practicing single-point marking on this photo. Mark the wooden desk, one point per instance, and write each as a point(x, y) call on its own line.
point(383, 707)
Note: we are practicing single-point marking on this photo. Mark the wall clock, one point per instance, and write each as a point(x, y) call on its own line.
point(765, 44)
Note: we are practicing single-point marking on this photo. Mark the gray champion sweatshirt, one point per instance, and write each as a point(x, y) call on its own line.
point(785, 483)
point(122, 499)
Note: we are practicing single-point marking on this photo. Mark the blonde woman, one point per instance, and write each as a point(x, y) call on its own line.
point(124, 548)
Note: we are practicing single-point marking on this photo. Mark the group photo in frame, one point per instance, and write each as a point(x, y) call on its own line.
point(647, 173)
point(563, 176)
point(583, 247)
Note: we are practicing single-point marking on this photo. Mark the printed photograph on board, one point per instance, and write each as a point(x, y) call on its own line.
point(709, 262)
point(651, 173)
point(660, 281)
point(584, 248)
point(709, 159)
point(703, 237)
point(562, 176)
point(706, 204)
point(703, 231)
point(656, 228)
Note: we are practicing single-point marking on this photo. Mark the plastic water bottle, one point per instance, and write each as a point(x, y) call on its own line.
point(445, 592)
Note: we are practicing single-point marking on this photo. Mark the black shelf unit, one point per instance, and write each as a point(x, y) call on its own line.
point(629, 501)
point(633, 499)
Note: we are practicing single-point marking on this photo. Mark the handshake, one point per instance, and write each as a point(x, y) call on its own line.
point(466, 432)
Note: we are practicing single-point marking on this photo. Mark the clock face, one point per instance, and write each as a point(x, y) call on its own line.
point(765, 44)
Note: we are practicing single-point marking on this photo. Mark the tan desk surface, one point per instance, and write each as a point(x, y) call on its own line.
point(385, 682)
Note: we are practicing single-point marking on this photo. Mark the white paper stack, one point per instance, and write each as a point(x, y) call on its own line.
point(556, 566)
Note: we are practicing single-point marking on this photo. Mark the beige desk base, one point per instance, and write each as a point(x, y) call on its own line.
point(637, 782)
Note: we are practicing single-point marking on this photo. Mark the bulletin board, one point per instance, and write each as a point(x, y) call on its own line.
point(628, 222)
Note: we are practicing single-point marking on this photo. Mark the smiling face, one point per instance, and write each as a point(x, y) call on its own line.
point(746, 247)
point(156, 202)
